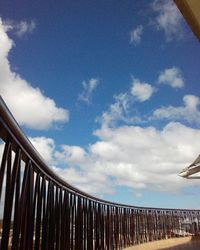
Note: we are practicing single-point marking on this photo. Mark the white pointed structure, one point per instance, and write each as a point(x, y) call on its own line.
point(191, 169)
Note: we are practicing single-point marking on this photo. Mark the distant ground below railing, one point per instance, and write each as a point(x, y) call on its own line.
point(183, 243)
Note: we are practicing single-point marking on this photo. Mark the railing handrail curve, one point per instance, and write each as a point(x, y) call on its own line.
point(11, 125)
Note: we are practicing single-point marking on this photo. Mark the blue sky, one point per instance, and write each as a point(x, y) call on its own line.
point(108, 92)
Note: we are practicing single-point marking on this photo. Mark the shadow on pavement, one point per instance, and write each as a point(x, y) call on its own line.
point(194, 244)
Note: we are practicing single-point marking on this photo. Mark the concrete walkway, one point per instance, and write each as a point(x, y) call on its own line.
point(185, 243)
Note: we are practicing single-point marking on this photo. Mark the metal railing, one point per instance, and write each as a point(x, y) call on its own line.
point(39, 210)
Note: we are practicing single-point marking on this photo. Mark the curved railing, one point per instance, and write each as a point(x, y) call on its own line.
point(39, 210)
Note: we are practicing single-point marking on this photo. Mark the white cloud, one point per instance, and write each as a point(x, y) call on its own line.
point(117, 110)
point(122, 110)
point(73, 164)
point(141, 91)
point(20, 28)
point(29, 105)
point(130, 156)
point(71, 154)
point(45, 146)
point(135, 35)
point(89, 181)
point(168, 19)
point(24, 27)
point(171, 77)
point(189, 112)
point(88, 89)
point(145, 157)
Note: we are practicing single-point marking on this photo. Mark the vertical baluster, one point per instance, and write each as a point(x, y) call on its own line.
point(58, 213)
point(32, 219)
point(78, 225)
point(119, 229)
point(111, 227)
point(4, 163)
point(115, 227)
point(63, 220)
point(96, 225)
point(100, 224)
point(45, 198)
point(173, 224)
point(39, 212)
point(134, 226)
point(107, 227)
point(146, 224)
point(16, 222)
point(10, 186)
point(90, 226)
point(103, 227)
point(67, 207)
point(85, 225)
point(23, 208)
point(51, 217)
point(55, 214)
point(129, 227)
point(150, 225)
point(124, 226)
point(138, 227)
point(30, 210)
point(72, 204)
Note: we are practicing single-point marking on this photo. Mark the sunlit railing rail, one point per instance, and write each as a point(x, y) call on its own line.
point(41, 211)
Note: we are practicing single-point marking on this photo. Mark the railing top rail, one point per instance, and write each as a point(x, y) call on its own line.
point(13, 129)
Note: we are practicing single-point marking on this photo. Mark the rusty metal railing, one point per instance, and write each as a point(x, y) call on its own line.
point(39, 210)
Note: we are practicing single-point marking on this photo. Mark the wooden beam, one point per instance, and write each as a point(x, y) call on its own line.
point(190, 9)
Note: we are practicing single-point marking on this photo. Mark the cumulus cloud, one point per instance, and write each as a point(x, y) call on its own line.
point(20, 28)
point(146, 158)
point(172, 77)
point(188, 112)
point(73, 164)
point(91, 182)
point(88, 89)
point(141, 91)
point(168, 19)
point(29, 105)
point(130, 156)
point(45, 146)
point(135, 35)
point(71, 154)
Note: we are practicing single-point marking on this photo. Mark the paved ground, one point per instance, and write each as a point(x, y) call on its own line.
point(186, 243)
